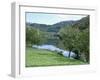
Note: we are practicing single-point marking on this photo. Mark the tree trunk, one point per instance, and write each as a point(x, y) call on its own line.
point(69, 54)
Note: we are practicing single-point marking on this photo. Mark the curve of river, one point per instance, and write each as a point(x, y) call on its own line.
point(65, 53)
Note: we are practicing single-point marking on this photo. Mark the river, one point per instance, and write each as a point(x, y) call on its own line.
point(65, 53)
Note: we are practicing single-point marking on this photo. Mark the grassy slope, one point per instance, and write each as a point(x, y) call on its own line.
point(38, 57)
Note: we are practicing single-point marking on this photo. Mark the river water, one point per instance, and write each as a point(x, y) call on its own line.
point(65, 53)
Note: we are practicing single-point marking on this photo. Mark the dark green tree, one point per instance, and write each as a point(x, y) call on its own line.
point(68, 37)
point(83, 44)
point(34, 36)
point(76, 40)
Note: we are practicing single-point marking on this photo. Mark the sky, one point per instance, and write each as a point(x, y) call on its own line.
point(49, 19)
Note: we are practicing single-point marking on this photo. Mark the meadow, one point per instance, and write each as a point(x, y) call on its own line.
point(39, 57)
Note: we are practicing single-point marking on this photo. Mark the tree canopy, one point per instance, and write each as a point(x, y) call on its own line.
point(34, 36)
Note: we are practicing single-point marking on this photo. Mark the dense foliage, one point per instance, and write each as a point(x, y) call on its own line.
point(34, 36)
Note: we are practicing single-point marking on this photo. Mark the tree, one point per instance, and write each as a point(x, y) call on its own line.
point(68, 37)
point(76, 40)
point(83, 43)
point(34, 36)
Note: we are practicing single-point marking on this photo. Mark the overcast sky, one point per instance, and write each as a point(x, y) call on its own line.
point(50, 19)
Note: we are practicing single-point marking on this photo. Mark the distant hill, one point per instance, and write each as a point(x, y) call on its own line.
point(42, 27)
point(82, 23)
point(56, 27)
point(51, 28)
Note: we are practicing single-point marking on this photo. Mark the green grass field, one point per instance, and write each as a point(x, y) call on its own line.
point(38, 57)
